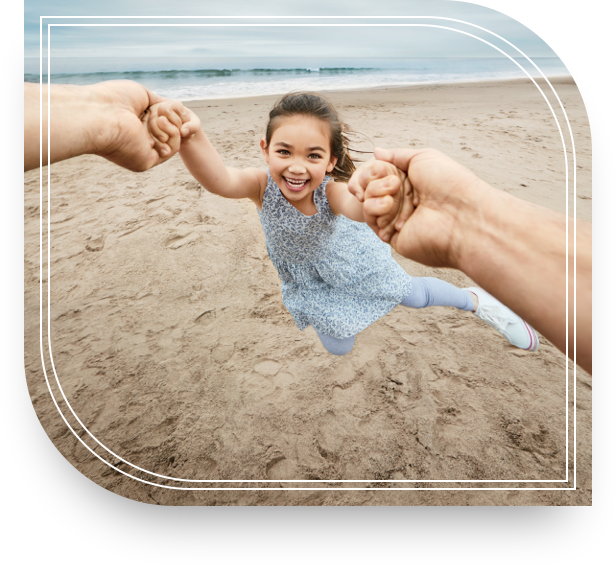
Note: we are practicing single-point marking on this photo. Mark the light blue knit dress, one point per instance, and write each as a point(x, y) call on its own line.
point(337, 275)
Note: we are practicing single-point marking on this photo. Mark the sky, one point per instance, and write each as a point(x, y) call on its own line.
point(267, 41)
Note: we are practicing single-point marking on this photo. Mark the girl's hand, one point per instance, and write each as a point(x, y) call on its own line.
point(168, 123)
point(385, 184)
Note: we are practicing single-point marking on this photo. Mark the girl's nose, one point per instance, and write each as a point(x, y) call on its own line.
point(297, 168)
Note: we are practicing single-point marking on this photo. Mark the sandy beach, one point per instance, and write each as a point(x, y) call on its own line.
point(172, 346)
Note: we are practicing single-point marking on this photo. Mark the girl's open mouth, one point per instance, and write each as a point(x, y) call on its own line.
point(295, 184)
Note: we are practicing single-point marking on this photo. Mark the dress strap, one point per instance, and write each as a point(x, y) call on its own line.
point(320, 196)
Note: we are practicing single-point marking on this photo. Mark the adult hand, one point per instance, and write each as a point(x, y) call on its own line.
point(122, 136)
point(514, 249)
point(105, 119)
point(442, 191)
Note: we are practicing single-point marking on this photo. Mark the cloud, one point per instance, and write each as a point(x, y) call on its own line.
point(271, 41)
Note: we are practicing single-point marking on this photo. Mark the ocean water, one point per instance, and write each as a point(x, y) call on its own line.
point(201, 78)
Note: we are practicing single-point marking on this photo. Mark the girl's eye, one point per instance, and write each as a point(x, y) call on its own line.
point(283, 152)
point(314, 156)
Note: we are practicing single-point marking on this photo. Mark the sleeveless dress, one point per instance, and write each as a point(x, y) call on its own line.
point(336, 274)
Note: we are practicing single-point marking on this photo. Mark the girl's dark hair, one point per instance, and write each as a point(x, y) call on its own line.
point(311, 104)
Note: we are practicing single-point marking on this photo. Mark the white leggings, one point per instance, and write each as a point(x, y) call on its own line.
point(425, 291)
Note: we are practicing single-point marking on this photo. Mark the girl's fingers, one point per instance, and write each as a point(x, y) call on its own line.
point(171, 130)
point(173, 112)
point(388, 185)
point(170, 111)
point(154, 134)
point(162, 149)
point(388, 219)
point(388, 199)
point(355, 188)
point(392, 217)
point(183, 113)
point(154, 128)
point(378, 214)
point(175, 139)
point(378, 206)
point(368, 172)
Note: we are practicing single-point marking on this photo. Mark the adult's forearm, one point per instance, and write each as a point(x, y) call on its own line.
point(518, 252)
point(32, 133)
point(74, 123)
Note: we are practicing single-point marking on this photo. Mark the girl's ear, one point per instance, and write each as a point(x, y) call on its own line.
point(332, 164)
point(264, 150)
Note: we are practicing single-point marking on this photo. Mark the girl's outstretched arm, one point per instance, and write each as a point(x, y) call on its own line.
point(341, 201)
point(206, 165)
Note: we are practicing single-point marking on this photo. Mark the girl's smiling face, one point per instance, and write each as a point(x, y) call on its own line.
point(299, 157)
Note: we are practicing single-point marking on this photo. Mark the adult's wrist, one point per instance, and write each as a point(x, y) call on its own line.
point(75, 109)
point(100, 115)
point(470, 222)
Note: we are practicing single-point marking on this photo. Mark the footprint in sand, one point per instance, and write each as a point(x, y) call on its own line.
point(192, 185)
point(346, 397)
point(95, 243)
point(267, 367)
point(206, 318)
point(178, 238)
point(282, 469)
point(223, 352)
point(284, 379)
point(331, 436)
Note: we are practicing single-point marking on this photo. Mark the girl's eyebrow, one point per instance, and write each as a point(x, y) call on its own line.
point(289, 146)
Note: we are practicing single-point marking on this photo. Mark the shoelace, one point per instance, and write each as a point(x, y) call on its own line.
point(493, 315)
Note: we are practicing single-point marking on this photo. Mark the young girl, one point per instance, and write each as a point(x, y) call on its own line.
point(336, 274)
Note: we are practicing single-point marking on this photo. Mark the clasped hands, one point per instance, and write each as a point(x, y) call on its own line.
point(120, 115)
point(387, 195)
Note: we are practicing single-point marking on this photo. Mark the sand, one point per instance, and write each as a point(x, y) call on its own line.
point(172, 345)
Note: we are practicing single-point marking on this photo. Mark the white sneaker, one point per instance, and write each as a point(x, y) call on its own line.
point(506, 322)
